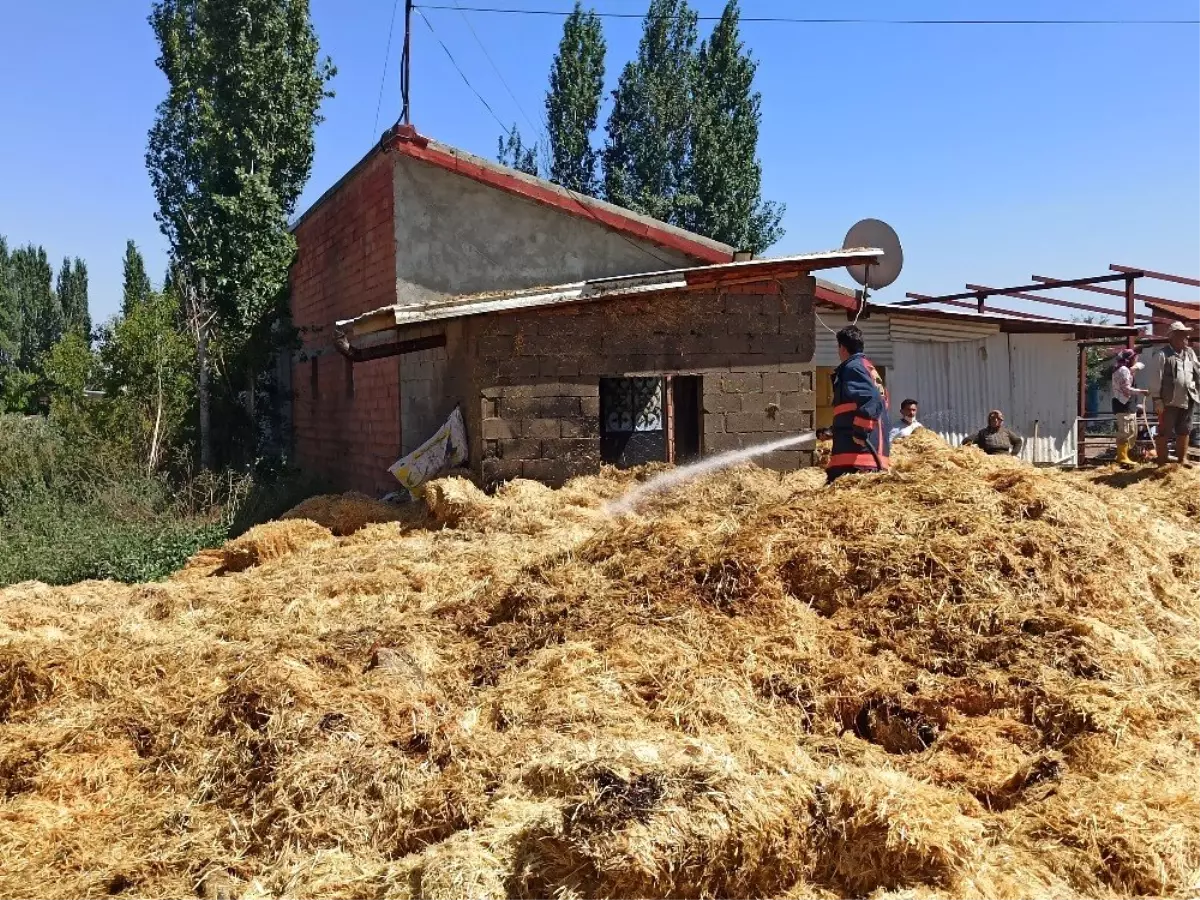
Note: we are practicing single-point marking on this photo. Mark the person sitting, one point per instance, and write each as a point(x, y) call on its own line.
point(908, 420)
point(996, 439)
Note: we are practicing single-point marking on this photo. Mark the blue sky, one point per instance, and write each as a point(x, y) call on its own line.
point(996, 152)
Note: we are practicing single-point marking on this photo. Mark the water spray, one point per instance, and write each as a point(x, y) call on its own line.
point(675, 477)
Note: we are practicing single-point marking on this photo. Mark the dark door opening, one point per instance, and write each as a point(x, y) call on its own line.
point(633, 422)
point(687, 412)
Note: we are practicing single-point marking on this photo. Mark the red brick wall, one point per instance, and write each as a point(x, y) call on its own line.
point(349, 431)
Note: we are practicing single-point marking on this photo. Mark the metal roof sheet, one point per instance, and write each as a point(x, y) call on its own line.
point(603, 288)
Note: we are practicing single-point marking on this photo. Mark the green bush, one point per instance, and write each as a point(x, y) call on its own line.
point(59, 541)
point(70, 510)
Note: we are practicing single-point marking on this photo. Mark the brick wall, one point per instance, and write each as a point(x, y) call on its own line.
point(536, 374)
point(349, 431)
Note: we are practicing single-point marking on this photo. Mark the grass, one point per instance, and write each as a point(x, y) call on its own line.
point(70, 513)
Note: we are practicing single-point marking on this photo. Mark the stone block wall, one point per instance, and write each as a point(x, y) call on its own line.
point(532, 401)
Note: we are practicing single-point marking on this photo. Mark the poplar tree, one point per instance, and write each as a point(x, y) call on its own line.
point(230, 150)
point(726, 174)
point(71, 290)
point(573, 102)
point(137, 283)
point(647, 156)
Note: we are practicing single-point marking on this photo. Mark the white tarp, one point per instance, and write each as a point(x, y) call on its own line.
point(445, 450)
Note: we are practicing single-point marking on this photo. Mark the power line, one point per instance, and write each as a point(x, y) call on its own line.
point(461, 73)
point(387, 58)
point(791, 20)
point(495, 68)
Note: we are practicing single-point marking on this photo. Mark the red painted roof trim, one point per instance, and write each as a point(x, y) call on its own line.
point(415, 146)
point(1184, 310)
point(836, 298)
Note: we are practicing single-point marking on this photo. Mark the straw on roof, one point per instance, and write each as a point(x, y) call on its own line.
point(969, 678)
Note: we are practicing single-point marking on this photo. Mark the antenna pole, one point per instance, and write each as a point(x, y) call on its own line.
point(406, 62)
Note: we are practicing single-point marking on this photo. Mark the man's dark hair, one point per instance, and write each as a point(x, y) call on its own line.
point(851, 338)
point(909, 402)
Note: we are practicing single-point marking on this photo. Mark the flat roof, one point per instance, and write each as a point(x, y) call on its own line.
point(596, 289)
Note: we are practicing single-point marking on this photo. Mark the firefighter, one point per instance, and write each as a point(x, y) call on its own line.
point(861, 427)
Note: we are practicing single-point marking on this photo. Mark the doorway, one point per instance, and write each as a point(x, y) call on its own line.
point(687, 413)
point(656, 419)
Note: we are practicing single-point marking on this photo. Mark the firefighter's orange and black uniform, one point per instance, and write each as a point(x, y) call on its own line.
point(861, 426)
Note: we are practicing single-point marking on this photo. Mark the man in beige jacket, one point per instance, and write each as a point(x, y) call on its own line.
point(1175, 386)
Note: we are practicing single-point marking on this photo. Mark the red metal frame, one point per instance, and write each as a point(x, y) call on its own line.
point(1158, 276)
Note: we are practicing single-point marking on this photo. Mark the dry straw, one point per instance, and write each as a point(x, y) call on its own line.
point(970, 678)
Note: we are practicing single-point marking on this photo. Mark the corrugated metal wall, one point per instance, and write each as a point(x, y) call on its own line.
point(877, 337)
point(1031, 377)
point(960, 370)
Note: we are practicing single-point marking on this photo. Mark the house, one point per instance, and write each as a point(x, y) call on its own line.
point(568, 331)
point(572, 333)
point(960, 365)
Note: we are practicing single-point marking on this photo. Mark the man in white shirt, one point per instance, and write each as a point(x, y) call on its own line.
point(908, 420)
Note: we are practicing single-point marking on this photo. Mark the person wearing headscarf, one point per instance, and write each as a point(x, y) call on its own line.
point(996, 439)
point(1124, 403)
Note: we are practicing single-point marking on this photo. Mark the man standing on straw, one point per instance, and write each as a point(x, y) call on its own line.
point(1175, 384)
point(1124, 404)
point(861, 429)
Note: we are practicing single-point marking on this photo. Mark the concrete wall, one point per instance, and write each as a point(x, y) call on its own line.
point(458, 236)
point(346, 422)
point(532, 405)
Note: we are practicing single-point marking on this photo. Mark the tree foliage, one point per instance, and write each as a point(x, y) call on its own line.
point(149, 373)
point(230, 150)
point(71, 289)
point(40, 313)
point(726, 174)
point(516, 154)
point(573, 102)
point(10, 314)
point(136, 286)
point(647, 156)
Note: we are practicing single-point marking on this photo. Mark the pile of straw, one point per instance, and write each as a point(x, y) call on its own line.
point(970, 678)
point(344, 514)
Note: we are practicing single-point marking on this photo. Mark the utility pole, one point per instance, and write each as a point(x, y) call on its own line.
point(405, 63)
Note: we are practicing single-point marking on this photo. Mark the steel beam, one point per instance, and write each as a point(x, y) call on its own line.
point(980, 296)
point(1157, 276)
point(1113, 292)
point(1053, 301)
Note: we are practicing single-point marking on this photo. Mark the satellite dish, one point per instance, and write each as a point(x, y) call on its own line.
point(881, 235)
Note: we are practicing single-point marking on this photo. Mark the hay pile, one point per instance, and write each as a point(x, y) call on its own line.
point(968, 679)
point(344, 514)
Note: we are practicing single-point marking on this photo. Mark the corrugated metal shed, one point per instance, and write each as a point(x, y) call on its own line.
point(1032, 378)
point(877, 337)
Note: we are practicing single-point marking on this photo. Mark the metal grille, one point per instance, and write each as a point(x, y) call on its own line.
point(633, 404)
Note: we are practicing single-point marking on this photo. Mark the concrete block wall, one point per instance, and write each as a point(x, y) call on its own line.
point(534, 410)
point(346, 421)
point(426, 379)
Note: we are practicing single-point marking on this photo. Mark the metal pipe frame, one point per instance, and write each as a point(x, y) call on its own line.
point(1053, 301)
point(1157, 276)
point(1144, 298)
point(981, 296)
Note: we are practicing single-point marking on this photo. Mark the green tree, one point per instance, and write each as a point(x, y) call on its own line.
point(149, 375)
point(230, 150)
point(516, 154)
point(137, 282)
point(71, 289)
point(573, 102)
point(10, 313)
point(647, 156)
point(41, 315)
point(726, 174)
